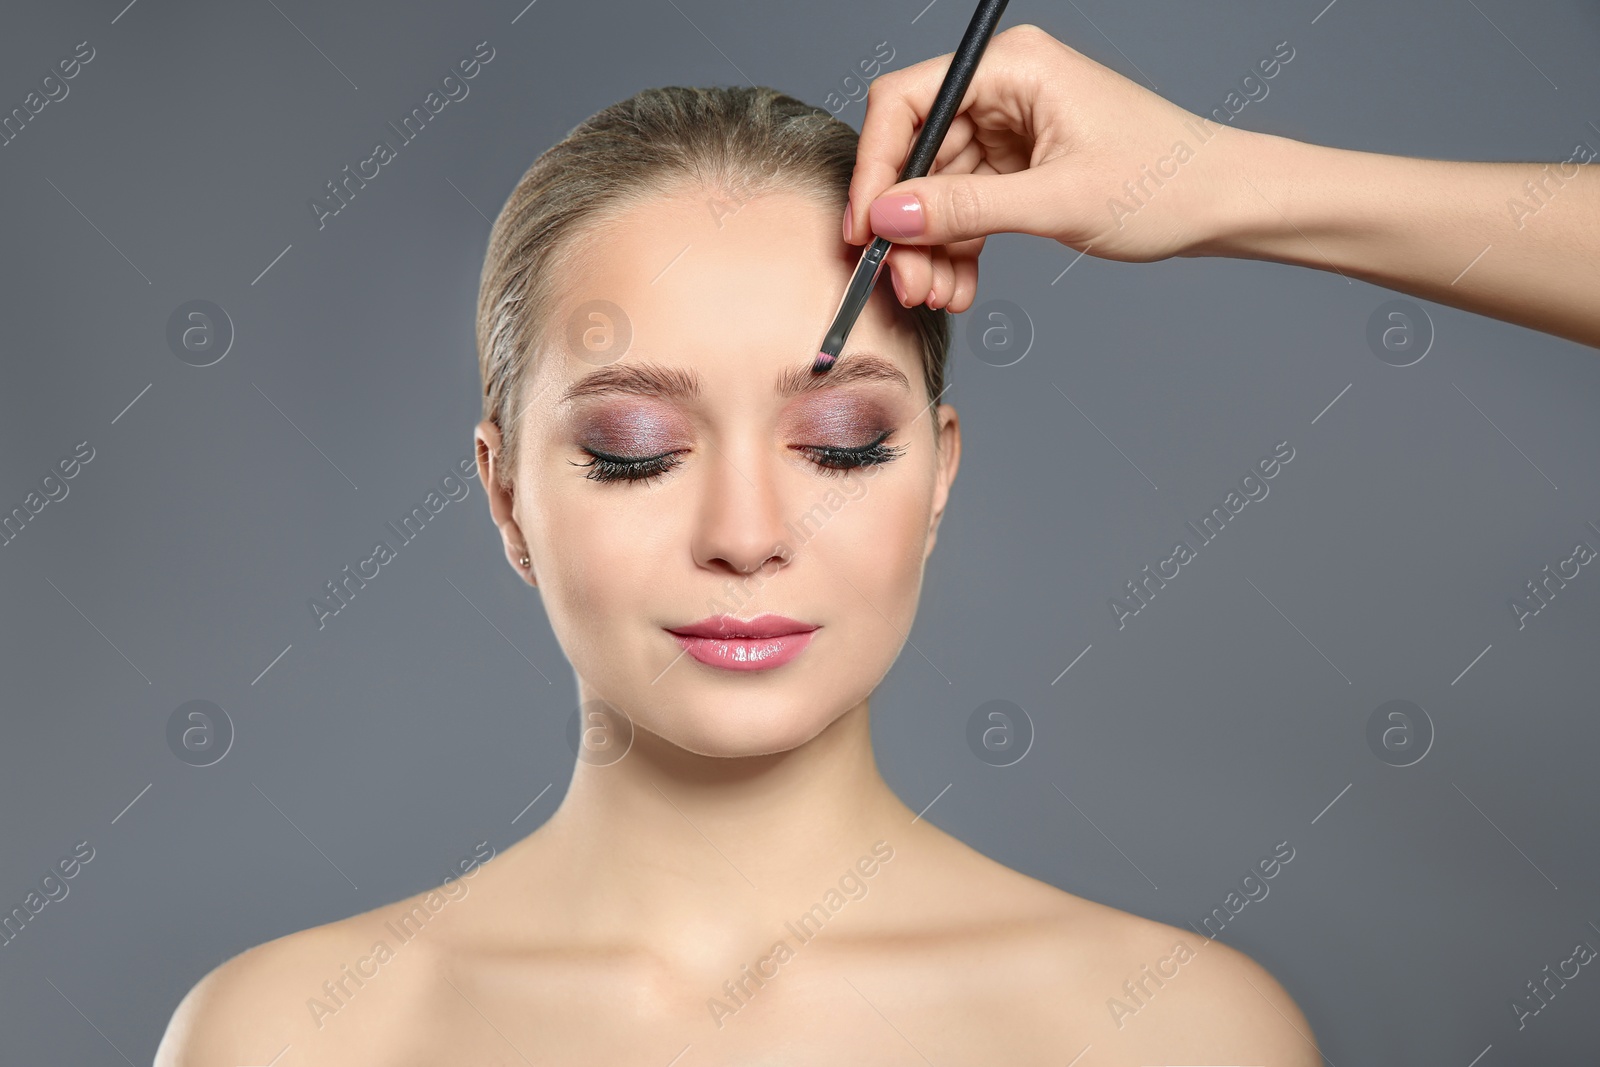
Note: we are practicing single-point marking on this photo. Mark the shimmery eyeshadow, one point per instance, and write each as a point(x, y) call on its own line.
point(631, 430)
point(841, 420)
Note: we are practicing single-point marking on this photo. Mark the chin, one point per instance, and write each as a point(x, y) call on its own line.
point(734, 724)
point(737, 731)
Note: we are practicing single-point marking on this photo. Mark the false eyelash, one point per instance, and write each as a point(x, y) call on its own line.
point(830, 460)
point(837, 461)
point(604, 468)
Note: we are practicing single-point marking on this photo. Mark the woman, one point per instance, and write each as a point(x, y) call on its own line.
point(730, 551)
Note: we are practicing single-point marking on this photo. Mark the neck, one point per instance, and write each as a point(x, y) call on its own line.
point(703, 852)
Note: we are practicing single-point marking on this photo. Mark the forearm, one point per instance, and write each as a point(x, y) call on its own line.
point(1515, 241)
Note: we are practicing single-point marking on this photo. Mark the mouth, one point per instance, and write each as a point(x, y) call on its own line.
point(730, 643)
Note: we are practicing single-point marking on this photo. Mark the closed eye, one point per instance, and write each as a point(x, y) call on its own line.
point(833, 460)
point(604, 468)
point(830, 460)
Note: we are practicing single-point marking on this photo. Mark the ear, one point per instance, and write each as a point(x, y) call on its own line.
point(501, 497)
point(949, 460)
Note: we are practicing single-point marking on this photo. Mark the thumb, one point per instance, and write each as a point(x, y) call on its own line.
point(947, 208)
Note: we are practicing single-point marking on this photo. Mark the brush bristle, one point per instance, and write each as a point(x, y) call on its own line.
point(823, 362)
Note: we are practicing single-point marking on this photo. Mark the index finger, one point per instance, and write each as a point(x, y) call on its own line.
point(897, 103)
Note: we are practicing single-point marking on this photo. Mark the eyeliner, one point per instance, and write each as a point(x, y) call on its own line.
point(963, 63)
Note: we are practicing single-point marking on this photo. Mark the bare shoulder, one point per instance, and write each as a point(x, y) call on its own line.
point(275, 1003)
point(1136, 990)
point(1165, 994)
point(227, 1017)
point(1192, 996)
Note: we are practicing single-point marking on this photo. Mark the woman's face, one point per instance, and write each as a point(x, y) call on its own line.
point(677, 461)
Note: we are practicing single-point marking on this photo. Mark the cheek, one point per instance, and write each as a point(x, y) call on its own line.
point(592, 559)
point(876, 539)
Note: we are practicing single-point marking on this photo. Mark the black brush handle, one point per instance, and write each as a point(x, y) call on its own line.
point(963, 64)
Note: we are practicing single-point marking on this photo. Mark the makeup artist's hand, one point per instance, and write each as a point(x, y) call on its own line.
point(1051, 143)
point(1044, 137)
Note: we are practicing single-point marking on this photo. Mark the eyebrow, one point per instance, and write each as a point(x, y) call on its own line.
point(675, 383)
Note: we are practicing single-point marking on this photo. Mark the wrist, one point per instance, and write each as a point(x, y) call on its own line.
point(1249, 181)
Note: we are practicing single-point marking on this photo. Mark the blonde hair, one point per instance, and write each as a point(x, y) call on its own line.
point(753, 139)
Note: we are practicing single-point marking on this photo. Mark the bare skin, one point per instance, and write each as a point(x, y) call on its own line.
point(621, 930)
point(627, 927)
point(1048, 140)
point(555, 956)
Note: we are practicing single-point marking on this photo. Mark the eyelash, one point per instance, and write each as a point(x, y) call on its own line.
point(834, 461)
point(847, 459)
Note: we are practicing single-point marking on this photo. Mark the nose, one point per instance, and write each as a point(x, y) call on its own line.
point(740, 527)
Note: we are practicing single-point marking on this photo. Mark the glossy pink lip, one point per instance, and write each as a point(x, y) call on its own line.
point(728, 626)
point(757, 644)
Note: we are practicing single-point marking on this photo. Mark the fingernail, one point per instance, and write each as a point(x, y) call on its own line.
point(900, 293)
point(899, 215)
point(847, 226)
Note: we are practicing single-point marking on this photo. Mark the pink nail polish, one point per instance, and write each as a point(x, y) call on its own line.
point(899, 215)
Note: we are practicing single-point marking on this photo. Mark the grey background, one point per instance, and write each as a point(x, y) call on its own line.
point(1189, 743)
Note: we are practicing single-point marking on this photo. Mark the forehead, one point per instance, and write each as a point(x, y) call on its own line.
point(738, 290)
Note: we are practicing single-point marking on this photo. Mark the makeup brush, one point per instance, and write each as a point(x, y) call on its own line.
point(962, 65)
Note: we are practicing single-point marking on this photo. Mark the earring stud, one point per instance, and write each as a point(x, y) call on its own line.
point(525, 561)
